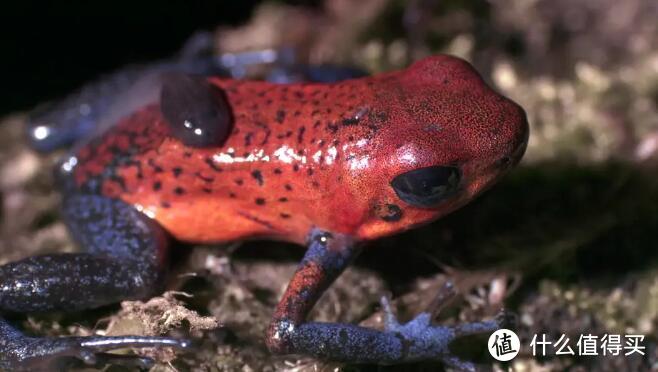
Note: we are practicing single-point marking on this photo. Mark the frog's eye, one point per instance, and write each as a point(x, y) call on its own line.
point(426, 187)
point(196, 111)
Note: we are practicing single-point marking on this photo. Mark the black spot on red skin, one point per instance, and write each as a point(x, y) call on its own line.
point(212, 165)
point(177, 171)
point(350, 121)
point(165, 204)
point(284, 215)
point(232, 195)
point(280, 116)
point(283, 200)
point(288, 187)
point(295, 167)
point(207, 190)
point(260, 201)
point(258, 176)
point(300, 134)
point(179, 190)
point(156, 168)
point(157, 186)
point(248, 138)
point(309, 171)
point(187, 154)
point(239, 182)
point(277, 171)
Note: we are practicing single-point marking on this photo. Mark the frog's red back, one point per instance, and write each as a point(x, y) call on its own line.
point(306, 155)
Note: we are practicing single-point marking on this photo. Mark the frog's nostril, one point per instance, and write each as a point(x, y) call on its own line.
point(520, 149)
point(504, 162)
point(516, 155)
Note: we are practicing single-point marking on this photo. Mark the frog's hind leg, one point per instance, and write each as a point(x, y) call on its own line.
point(124, 257)
point(290, 332)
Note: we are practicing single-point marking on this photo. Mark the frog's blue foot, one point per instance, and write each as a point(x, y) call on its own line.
point(19, 352)
point(125, 255)
point(430, 340)
point(290, 333)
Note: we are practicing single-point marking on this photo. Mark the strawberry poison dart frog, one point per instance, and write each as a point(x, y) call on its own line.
point(328, 165)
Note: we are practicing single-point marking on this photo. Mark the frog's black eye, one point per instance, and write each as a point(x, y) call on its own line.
point(426, 187)
point(197, 112)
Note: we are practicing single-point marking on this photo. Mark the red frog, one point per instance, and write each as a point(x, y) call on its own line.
point(332, 166)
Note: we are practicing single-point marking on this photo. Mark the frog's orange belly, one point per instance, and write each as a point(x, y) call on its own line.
point(213, 220)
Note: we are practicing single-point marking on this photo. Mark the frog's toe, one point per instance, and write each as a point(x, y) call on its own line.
point(424, 338)
point(58, 354)
point(390, 319)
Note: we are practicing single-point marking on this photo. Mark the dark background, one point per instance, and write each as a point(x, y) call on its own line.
point(50, 48)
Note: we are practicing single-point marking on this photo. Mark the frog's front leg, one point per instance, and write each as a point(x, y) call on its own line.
point(290, 333)
point(124, 258)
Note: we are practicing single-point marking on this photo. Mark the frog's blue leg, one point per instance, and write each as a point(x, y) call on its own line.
point(124, 258)
point(290, 332)
point(285, 74)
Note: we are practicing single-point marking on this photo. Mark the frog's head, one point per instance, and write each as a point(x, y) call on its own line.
point(448, 137)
